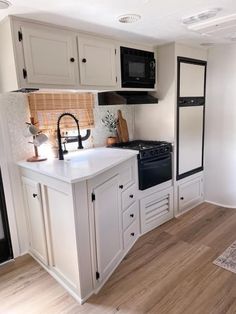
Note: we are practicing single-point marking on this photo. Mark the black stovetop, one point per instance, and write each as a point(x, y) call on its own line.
point(147, 149)
point(141, 144)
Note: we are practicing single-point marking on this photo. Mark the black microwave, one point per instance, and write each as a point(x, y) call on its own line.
point(138, 68)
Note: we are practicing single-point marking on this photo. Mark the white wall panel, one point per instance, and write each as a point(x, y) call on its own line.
point(220, 148)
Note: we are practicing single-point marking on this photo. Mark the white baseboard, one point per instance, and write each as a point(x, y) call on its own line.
point(219, 204)
point(188, 209)
point(9, 261)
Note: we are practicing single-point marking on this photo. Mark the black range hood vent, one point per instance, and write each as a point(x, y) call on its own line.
point(125, 98)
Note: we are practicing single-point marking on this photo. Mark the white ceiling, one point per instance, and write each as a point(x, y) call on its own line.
point(160, 23)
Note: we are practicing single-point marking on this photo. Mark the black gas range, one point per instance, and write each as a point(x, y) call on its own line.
point(154, 161)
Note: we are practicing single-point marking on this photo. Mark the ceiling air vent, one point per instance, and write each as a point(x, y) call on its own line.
point(199, 17)
point(4, 4)
point(221, 28)
point(129, 18)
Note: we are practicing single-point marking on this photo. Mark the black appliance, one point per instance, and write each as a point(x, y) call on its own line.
point(154, 161)
point(138, 68)
point(5, 241)
point(125, 98)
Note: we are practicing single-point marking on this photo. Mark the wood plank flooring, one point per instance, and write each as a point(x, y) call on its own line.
point(169, 271)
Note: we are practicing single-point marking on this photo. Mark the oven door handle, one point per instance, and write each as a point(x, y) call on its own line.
point(152, 161)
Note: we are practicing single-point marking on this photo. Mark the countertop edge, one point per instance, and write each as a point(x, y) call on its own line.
point(27, 165)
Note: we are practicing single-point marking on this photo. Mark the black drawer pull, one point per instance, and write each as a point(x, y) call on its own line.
point(121, 186)
point(182, 198)
point(84, 60)
point(35, 195)
point(132, 215)
point(72, 59)
point(132, 234)
point(131, 196)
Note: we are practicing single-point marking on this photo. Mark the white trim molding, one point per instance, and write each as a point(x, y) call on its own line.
point(13, 115)
point(221, 205)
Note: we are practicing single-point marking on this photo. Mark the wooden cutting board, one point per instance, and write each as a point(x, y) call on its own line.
point(122, 128)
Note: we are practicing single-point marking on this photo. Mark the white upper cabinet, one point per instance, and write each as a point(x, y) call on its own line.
point(50, 56)
point(97, 62)
point(37, 55)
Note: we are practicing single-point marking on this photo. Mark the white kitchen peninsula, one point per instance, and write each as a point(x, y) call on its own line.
point(82, 215)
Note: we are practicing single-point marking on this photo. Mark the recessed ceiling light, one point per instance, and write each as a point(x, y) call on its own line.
point(4, 4)
point(129, 18)
point(202, 16)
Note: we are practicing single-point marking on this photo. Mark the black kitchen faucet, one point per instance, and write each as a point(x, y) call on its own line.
point(80, 138)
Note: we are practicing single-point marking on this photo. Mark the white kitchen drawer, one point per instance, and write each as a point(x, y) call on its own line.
point(129, 196)
point(129, 173)
point(131, 234)
point(130, 215)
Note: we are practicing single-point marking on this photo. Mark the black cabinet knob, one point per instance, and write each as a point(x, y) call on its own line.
point(35, 195)
point(132, 234)
point(84, 60)
point(132, 215)
point(121, 186)
point(72, 59)
point(182, 198)
point(131, 196)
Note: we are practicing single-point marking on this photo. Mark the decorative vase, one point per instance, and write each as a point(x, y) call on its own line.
point(112, 140)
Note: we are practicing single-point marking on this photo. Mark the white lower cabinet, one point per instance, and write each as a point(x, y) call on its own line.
point(80, 232)
point(155, 209)
point(35, 218)
point(107, 223)
point(61, 235)
point(189, 193)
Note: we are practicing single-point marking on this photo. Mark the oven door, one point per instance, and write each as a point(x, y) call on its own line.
point(154, 171)
point(137, 71)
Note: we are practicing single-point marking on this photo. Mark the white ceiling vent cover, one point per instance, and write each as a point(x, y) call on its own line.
point(129, 18)
point(223, 27)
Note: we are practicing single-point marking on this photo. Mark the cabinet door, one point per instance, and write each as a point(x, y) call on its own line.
point(35, 217)
point(50, 56)
point(108, 231)
point(97, 62)
point(63, 247)
point(190, 194)
point(192, 80)
point(190, 149)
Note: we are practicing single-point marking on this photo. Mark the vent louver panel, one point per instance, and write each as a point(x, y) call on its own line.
point(156, 209)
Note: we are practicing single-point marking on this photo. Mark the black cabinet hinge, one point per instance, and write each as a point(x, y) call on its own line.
point(20, 36)
point(115, 51)
point(24, 73)
point(93, 197)
point(97, 275)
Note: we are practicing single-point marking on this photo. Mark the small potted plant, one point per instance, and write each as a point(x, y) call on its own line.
point(110, 122)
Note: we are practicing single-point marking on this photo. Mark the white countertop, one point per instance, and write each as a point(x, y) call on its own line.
point(81, 165)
